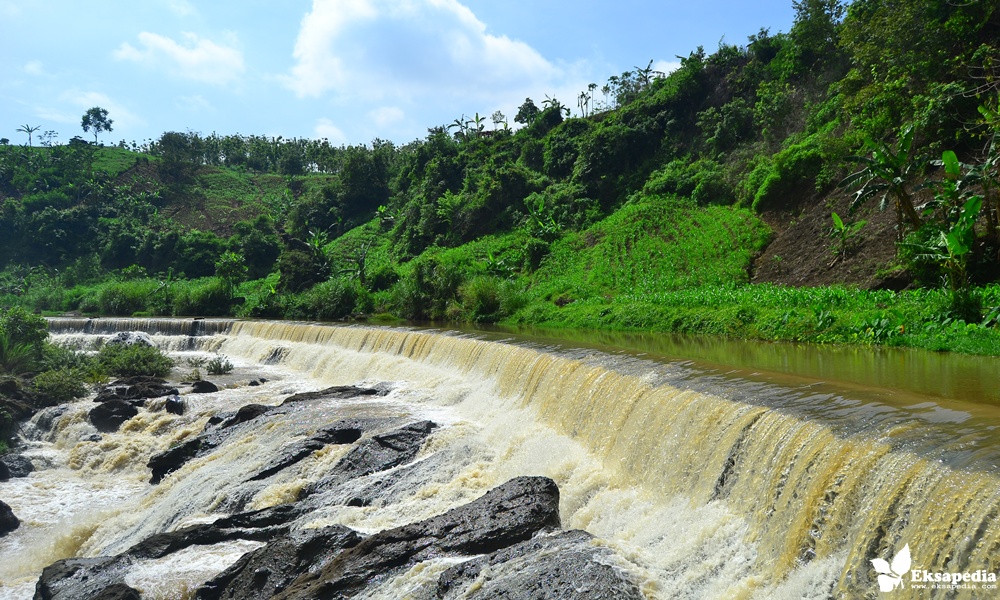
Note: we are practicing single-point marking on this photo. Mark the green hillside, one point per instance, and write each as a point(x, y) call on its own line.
point(727, 197)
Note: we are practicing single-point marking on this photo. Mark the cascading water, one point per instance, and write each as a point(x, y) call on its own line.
point(706, 487)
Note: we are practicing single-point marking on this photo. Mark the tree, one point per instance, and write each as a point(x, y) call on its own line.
point(97, 119)
point(527, 112)
point(29, 130)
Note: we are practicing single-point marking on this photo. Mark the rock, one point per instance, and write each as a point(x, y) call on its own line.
point(94, 437)
point(339, 392)
point(90, 578)
point(130, 338)
point(342, 432)
point(268, 570)
point(4, 471)
point(168, 461)
point(378, 453)
point(47, 417)
point(140, 387)
point(118, 591)
point(245, 413)
point(175, 405)
point(8, 522)
point(17, 465)
point(565, 565)
point(110, 415)
point(254, 382)
point(506, 515)
point(203, 387)
point(76, 579)
point(8, 387)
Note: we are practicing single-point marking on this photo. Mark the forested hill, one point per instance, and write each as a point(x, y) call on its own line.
point(648, 201)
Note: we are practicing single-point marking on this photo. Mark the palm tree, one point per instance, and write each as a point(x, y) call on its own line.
point(29, 130)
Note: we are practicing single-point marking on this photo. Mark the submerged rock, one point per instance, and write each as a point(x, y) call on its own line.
point(506, 515)
point(341, 432)
point(8, 521)
point(175, 405)
point(110, 415)
point(130, 338)
point(338, 392)
point(566, 565)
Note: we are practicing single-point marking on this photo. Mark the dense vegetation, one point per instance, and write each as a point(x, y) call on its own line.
point(648, 209)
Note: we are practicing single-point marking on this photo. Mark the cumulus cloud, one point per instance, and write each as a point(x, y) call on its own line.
point(194, 58)
point(326, 129)
point(181, 8)
point(666, 66)
point(71, 105)
point(385, 49)
point(34, 67)
point(385, 116)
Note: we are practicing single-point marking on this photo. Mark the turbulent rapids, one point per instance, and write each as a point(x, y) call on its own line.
point(688, 484)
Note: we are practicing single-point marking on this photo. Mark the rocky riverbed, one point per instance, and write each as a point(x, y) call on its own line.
point(506, 543)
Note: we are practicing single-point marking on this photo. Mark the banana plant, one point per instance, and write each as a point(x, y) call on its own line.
point(887, 171)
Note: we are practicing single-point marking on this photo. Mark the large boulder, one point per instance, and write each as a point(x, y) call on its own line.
point(139, 387)
point(203, 387)
point(8, 522)
point(16, 465)
point(506, 515)
point(260, 574)
point(109, 416)
point(565, 565)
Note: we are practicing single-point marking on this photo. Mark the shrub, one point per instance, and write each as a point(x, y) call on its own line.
point(210, 296)
point(220, 365)
point(127, 361)
point(59, 386)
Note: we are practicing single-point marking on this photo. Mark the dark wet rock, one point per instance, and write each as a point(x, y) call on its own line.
point(140, 387)
point(118, 591)
point(175, 405)
point(130, 338)
point(342, 432)
point(4, 472)
point(110, 415)
point(168, 461)
point(203, 387)
point(339, 392)
point(17, 465)
point(9, 387)
point(77, 578)
point(378, 453)
point(94, 437)
point(8, 521)
point(244, 414)
point(47, 417)
point(565, 565)
point(270, 569)
point(506, 515)
point(254, 382)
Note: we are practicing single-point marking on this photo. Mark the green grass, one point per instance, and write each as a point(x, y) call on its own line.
point(653, 244)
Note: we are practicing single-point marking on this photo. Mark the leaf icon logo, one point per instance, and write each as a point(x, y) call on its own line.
point(891, 575)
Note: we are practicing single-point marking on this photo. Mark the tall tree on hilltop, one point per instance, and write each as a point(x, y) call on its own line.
point(97, 119)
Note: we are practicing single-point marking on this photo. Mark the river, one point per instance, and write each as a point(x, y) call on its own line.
point(713, 469)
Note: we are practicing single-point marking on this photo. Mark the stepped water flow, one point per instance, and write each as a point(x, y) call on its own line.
point(705, 486)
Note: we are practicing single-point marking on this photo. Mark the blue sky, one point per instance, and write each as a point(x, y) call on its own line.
point(346, 70)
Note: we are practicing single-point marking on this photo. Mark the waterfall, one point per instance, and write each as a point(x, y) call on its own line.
point(706, 486)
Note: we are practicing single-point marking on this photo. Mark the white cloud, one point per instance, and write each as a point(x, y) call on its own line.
point(34, 67)
point(395, 49)
point(182, 8)
point(666, 66)
point(326, 129)
point(73, 103)
point(196, 58)
point(194, 104)
point(385, 116)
